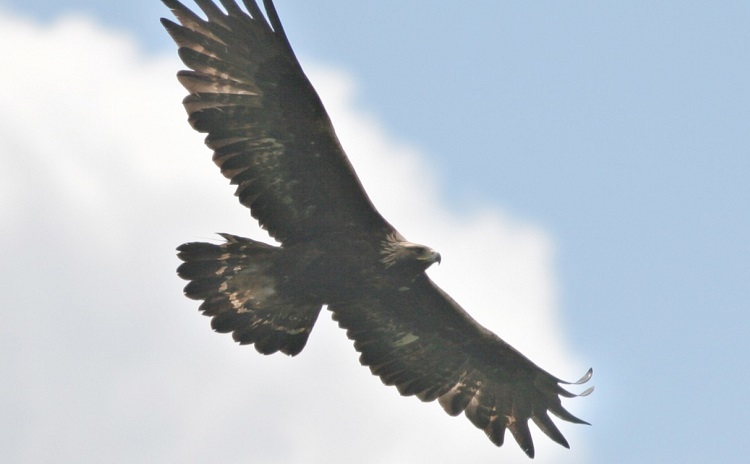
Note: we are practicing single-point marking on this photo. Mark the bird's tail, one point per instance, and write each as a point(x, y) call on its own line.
point(238, 286)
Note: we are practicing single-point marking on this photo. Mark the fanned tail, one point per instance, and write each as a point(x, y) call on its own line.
point(240, 292)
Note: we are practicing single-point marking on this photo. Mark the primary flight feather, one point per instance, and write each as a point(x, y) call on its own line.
point(272, 138)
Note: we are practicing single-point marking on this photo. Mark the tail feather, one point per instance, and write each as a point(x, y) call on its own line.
point(237, 284)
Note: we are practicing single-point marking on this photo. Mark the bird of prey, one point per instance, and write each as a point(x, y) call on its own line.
point(272, 138)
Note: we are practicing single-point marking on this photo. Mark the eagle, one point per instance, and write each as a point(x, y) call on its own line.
point(272, 138)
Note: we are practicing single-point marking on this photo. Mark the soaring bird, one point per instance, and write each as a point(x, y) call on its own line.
point(272, 138)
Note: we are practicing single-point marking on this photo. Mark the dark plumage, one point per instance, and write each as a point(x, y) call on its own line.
point(272, 138)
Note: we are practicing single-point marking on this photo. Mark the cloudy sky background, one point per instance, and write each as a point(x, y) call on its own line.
point(581, 167)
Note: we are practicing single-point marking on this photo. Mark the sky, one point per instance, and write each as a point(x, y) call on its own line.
point(581, 167)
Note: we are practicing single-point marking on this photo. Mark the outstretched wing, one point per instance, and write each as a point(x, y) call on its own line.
point(421, 341)
point(270, 133)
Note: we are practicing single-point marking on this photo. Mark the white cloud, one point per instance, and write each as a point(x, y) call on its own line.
point(105, 361)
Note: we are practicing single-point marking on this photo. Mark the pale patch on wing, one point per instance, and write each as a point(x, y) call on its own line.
point(202, 84)
point(405, 340)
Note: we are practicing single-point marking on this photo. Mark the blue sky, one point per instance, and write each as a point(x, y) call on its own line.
point(618, 129)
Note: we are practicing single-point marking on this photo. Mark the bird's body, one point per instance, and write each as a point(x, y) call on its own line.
point(272, 137)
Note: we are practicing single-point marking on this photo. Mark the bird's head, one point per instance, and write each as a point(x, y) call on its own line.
point(408, 255)
point(422, 254)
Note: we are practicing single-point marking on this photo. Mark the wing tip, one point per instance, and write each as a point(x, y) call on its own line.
point(586, 377)
point(567, 394)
